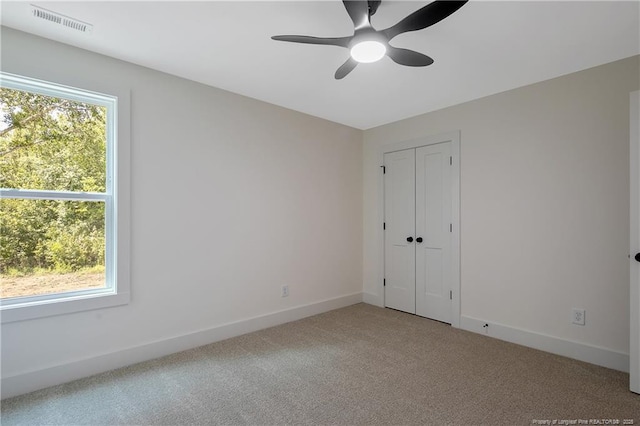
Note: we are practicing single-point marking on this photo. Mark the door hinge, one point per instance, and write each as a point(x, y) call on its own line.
point(451, 161)
point(384, 169)
point(450, 295)
point(384, 283)
point(451, 227)
point(384, 225)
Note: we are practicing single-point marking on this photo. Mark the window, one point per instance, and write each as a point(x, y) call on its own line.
point(61, 207)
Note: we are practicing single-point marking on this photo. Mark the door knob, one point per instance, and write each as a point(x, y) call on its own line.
point(637, 257)
point(419, 239)
point(410, 239)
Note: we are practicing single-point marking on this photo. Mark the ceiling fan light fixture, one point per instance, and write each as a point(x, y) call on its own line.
point(368, 51)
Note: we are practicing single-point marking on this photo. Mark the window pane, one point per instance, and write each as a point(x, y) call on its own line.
point(51, 246)
point(51, 143)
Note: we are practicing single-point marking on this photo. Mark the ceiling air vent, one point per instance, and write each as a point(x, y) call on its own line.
point(59, 19)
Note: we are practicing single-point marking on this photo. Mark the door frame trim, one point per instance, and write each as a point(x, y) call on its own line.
point(454, 138)
point(634, 275)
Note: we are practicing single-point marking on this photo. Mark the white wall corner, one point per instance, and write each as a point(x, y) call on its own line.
point(592, 354)
point(30, 381)
point(372, 299)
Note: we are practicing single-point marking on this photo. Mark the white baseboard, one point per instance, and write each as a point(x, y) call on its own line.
point(372, 299)
point(580, 351)
point(39, 379)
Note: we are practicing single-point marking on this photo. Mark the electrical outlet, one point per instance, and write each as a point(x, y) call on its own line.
point(577, 316)
point(285, 291)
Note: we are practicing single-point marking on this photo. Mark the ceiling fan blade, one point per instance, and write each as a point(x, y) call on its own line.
point(425, 17)
point(358, 11)
point(408, 57)
point(330, 41)
point(346, 68)
point(373, 6)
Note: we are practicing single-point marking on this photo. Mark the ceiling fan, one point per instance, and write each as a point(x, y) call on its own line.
point(370, 45)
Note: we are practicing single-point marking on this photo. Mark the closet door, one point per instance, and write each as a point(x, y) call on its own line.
point(399, 244)
point(433, 232)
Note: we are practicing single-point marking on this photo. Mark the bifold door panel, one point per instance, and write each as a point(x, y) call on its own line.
point(418, 231)
point(400, 211)
point(433, 221)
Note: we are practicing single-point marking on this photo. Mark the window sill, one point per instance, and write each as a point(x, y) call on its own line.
point(61, 305)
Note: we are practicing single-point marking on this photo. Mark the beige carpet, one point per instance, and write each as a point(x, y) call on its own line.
point(357, 365)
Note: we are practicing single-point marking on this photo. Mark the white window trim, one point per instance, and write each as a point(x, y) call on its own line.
point(117, 208)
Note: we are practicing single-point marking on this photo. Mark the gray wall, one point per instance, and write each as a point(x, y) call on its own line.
point(544, 204)
point(231, 198)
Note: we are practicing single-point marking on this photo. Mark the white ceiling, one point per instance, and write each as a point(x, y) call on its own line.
point(484, 48)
